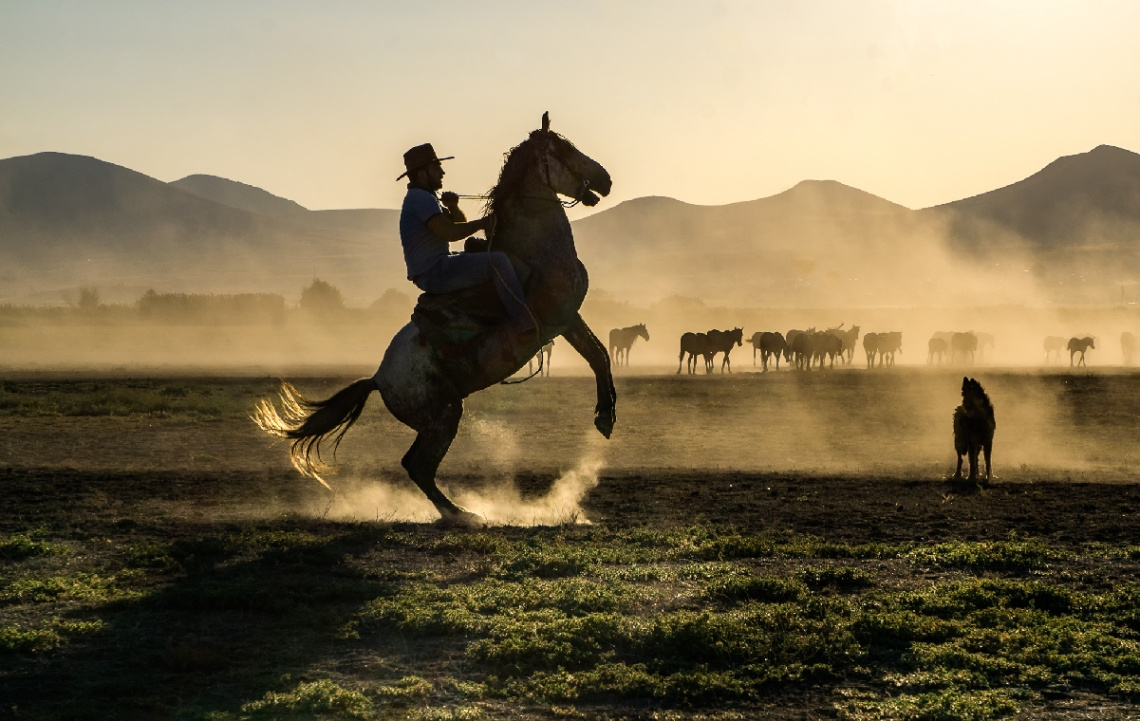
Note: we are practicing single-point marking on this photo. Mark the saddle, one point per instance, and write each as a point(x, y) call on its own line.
point(452, 322)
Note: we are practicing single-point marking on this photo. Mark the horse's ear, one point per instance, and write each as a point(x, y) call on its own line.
point(546, 121)
point(965, 382)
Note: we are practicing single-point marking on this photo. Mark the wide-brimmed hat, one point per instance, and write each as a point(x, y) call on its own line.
point(419, 157)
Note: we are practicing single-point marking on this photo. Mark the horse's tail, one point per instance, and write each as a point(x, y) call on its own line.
point(310, 423)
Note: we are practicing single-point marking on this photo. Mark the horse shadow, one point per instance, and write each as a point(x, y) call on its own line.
point(229, 612)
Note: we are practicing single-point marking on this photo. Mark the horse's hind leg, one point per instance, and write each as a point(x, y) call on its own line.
point(986, 451)
point(423, 458)
point(583, 340)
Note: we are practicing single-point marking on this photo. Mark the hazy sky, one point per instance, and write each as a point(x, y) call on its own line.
point(708, 102)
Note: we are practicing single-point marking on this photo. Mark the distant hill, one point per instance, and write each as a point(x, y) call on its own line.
point(1091, 198)
point(1074, 227)
point(65, 202)
point(820, 240)
point(238, 195)
point(67, 220)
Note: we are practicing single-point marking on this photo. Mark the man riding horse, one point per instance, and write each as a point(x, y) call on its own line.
point(425, 389)
point(429, 222)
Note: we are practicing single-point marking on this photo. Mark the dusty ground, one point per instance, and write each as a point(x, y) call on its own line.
point(850, 457)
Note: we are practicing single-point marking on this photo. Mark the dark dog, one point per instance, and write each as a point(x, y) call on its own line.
point(974, 427)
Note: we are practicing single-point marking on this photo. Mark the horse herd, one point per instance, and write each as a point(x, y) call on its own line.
point(805, 349)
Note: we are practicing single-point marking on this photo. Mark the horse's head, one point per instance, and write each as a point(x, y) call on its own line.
point(642, 331)
point(737, 335)
point(569, 171)
point(551, 160)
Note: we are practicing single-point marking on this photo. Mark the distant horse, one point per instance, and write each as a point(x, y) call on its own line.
point(962, 347)
point(621, 340)
point(1127, 347)
point(871, 347)
point(1079, 345)
point(889, 344)
point(848, 339)
point(803, 349)
point(826, 345)
point(544, 363)
point(694, 344)
point(935, 347)
point(1053, 345)
point(944, 335)
point(790, 338)
point(425, 390)
point(985, 340)
point(722, 341)
point(769, 344)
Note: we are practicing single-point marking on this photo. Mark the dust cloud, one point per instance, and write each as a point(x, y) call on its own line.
point(499, 500)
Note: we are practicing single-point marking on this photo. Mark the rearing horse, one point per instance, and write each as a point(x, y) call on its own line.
point(426, 392)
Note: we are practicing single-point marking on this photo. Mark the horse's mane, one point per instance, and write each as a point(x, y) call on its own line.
point(977, 394)
point(517, 164)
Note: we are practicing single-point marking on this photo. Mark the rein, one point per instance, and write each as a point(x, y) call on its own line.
point(515, 382)
point(564, 203)
point(577, 198)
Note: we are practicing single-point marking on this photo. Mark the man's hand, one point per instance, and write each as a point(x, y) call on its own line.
point(449, 199)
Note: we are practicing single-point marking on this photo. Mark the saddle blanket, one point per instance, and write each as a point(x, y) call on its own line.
point(452, 322)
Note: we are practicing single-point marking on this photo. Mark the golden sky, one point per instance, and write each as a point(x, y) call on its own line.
point(709, 102)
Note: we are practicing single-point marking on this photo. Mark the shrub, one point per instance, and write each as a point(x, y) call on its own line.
point(322, 297)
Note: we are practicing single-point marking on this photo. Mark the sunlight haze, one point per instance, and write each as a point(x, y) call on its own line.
point(921, 103)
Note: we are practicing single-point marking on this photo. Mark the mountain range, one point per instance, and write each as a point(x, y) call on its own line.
point(1068, 233)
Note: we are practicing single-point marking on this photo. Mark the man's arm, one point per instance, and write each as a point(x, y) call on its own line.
point(445, 229)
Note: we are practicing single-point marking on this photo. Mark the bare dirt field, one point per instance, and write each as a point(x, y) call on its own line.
point(782, 545)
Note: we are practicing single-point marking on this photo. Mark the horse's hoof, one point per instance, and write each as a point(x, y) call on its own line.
point(604, 422)
point(461, 518)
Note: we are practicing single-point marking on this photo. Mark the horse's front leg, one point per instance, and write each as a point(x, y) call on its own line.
point(583, 340)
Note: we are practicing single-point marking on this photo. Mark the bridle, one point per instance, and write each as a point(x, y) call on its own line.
point(545, 153)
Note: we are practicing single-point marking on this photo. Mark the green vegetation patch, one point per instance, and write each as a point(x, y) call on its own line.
point(762, 589)
point(1012, 555)
point(839, 577)
point(79, 587)
point(595, 616)
point(20, 546)
point(712, 630)
point(427, 610)
point(714, 543)
point(941, 705)
point(315, 697)
point(51, 635)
